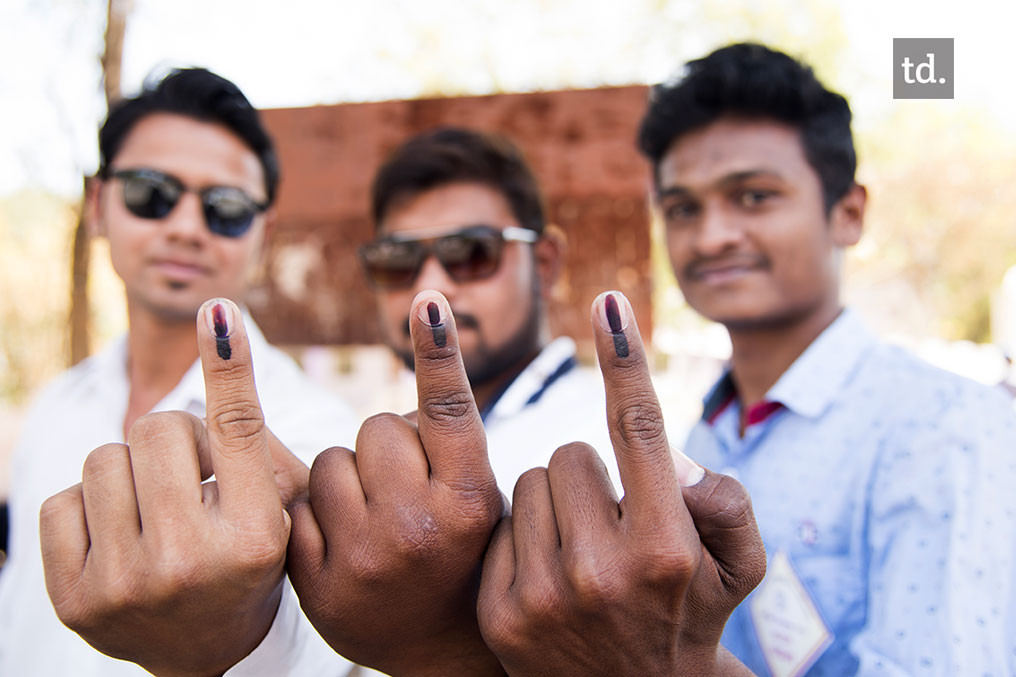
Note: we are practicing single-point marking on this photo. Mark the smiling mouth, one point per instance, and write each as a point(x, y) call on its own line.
point(723, 274)
point(177, 271)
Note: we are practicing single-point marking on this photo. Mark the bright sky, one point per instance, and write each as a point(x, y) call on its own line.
point(304, 52)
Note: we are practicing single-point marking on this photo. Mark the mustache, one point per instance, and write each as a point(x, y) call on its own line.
point(467, 320)
point(696, 267)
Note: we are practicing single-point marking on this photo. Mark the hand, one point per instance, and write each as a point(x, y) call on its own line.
point(577, 582)
point(148, 564)
point(386, 552)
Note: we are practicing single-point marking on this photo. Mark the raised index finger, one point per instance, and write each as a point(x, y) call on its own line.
point(634, 418)
point(450, 426)
point(237, 440)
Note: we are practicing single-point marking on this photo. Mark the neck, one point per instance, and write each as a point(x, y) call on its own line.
point(760, 355)
point(159, 353)
point(484, 393)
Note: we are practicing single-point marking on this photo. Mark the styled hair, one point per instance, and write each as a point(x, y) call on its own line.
point(195, 93)
point(753, 81)
point(454, 154)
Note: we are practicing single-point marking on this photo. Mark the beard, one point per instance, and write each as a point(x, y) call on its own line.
point(485, 363)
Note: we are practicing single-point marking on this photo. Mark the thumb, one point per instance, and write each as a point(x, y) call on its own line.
point(721, 509)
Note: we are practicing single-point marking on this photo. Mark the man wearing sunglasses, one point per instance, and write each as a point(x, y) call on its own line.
point(183, 196)
point(460, 212)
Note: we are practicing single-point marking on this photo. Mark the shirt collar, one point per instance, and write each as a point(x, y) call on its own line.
point(532, 379)
point(811, 383)
point(188, 394)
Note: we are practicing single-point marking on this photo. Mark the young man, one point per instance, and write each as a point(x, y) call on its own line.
point(183, 195)
point(459, 211)
point(882, 486)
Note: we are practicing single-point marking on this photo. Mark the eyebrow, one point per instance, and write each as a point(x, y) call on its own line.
point(727, 180)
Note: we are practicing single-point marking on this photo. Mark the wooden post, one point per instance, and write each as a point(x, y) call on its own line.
point(112, 60)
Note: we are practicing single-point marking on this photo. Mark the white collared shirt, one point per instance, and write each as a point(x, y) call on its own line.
point(85, 408)
point(522, 434)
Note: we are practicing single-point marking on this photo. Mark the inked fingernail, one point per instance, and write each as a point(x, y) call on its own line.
point(616, 317)
point(220, 327)
point(689, 473)
point(437, 326)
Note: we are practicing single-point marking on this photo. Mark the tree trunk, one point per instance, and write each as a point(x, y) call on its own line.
point(80, 317)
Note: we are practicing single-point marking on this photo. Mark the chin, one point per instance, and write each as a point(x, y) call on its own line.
point(174, 305)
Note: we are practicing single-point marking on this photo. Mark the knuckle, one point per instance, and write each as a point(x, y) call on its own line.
point(260, 547)
point(417, 535)
point(241, 419)
point(101, 460)
point(540, 601)
point(328, 461)
point(379, 426)
point(446, 408)
point(118, 589)
point(575, 456)
point(56, 507)
point(531, 483)
point(669, 567)
point(152, 426)
point(73, 612)
point(501, 627)
point(366, 565)
point(592, 579)
point(640, 423)
point(728, 504)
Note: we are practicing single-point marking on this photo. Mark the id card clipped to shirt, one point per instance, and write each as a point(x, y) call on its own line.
point(787, 623)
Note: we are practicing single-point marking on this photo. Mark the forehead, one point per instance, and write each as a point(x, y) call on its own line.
point(730, 147)
point(199, 153)
point(452, 205)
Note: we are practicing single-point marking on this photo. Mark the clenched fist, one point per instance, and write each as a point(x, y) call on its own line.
point(149, 564)
point(386, 551)
point(579, 582)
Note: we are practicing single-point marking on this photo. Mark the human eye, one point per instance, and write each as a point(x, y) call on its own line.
point(677, 211)
point(751, 198)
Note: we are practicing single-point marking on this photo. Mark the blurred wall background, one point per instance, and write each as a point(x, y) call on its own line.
point(941, 231)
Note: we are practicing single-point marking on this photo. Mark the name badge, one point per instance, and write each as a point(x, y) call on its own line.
point(789, 628)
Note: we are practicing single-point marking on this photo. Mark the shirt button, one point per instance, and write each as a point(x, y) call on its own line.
point(732, 472)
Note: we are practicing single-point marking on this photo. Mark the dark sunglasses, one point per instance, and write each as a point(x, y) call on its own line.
point(151, 194)
point(472, 253)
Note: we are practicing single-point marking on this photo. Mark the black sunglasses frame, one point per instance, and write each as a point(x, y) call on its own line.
point(426, 247)
point(211, 196)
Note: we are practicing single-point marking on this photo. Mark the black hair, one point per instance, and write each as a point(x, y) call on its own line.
point(754, 81)
point(452, 154)
point(195, 93)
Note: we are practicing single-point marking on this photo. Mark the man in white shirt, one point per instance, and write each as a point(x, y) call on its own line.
point(184, 196)
point(460, 212)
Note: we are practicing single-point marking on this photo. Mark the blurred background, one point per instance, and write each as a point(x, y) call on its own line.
point(930, 273)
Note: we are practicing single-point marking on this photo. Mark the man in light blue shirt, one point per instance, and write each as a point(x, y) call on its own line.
point(883, 487)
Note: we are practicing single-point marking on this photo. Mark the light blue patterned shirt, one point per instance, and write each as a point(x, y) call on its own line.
point(891, 484)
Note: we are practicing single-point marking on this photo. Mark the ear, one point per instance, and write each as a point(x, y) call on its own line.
point(94, 223)
point(549, 255)
point(847, 216)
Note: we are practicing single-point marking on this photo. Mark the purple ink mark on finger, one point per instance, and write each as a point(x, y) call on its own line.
point(221, 327)
point(616, 330)
point(436, 326)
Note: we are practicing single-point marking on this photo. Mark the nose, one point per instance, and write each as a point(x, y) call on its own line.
point(434, 276)
point(185, 223)
point(717, 232)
